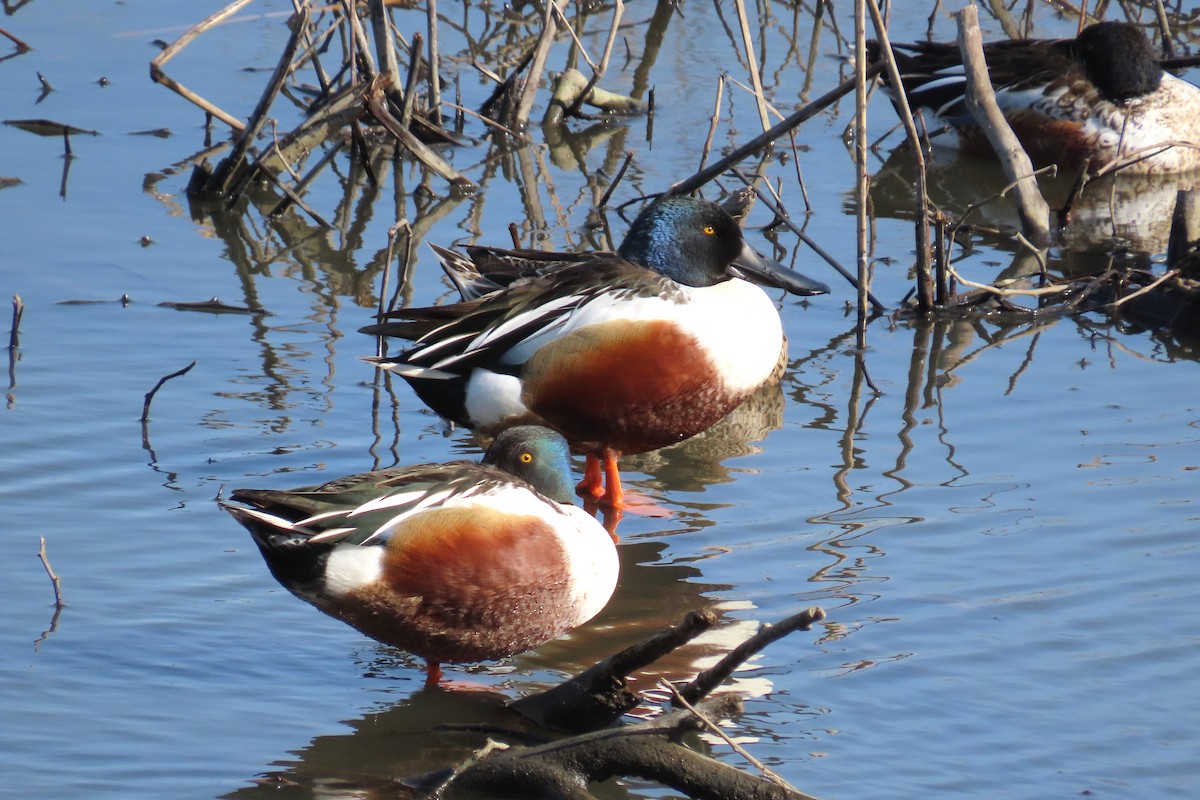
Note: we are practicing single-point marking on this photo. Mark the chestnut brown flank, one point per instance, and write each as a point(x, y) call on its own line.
point(466, 584)
point(1045, 141)
point(634, 386)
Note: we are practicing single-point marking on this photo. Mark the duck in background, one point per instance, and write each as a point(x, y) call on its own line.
point(623, 353)
point(453, 562)
point(1098, 99)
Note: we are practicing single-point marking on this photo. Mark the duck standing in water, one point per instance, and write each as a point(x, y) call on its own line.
point(622, 352)
point(453, 562)
point(1098, 98)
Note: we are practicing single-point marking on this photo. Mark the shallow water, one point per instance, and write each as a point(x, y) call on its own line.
point(1003, 536)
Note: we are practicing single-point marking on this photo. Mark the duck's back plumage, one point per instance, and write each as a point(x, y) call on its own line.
point(1095, 99)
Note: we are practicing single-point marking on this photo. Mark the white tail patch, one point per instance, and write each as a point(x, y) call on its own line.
point(352, 567)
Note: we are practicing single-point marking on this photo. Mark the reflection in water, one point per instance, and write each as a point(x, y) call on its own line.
point(698, 462)
point(1118, 213)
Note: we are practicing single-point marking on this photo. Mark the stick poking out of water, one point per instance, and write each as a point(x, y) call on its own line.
point(58, 601)
point(150, 394)
point(14, 335)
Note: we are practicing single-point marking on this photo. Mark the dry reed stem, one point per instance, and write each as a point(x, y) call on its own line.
point(414, 145)
point(533, 75)
point(925, 293)
point(435, 59)
point(981, 102)
point(231, 167)
point(1164, 28)
point(862, 180)
point(158, 76)
point(410, 86)
point(752, 63)
point(359, 40)
point(385, 49)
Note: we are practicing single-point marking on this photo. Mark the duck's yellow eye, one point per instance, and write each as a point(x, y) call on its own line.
point(526, 458)
point(709, 230)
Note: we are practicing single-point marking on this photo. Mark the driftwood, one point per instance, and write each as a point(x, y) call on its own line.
point(656, 750)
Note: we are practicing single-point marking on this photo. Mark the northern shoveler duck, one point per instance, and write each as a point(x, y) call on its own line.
point(1097, 99)
point(453, 562)
point(622, 352)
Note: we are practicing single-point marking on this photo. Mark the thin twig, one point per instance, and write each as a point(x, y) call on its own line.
point(150, 394)
point(809, 111)
point(717, 730)
point(862, 179)
point(1166, 276)
point(710, 678)
point(608, 193)
point(713, 120)
point(14, 334)
point(925, 294)
point(58, 601)
point(782, 215)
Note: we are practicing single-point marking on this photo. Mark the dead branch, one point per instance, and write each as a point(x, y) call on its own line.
point(159, 76)
point(649, 750)
point(599, 696)
point(414, 145)
point(58, 600)
point(712, 677)
point(783, 217)
point(981, 102)
point(524, 90)
point(572, 89)
point(150, 394)
point(231, 171)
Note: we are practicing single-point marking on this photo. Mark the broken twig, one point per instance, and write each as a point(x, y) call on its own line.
point(58, 601)
point(150, 394)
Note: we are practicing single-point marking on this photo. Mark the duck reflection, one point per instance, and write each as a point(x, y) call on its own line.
point(700, 461)
point(1118, 212)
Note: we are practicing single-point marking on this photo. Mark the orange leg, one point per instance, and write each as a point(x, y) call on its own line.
point(592, 484)
point(614, 495)
point(433, 674)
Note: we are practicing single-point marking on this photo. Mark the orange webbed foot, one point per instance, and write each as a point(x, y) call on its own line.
point(592, 485)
